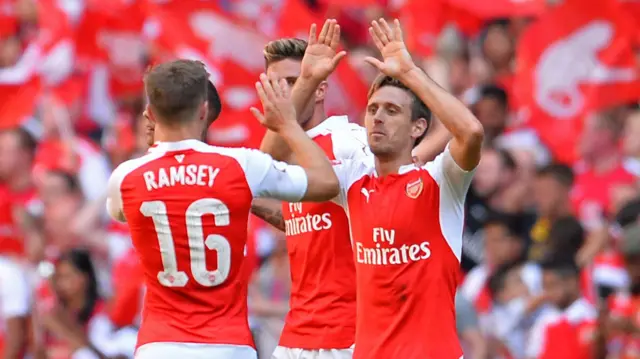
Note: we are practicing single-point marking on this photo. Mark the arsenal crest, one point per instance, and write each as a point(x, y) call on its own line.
point(414, 188)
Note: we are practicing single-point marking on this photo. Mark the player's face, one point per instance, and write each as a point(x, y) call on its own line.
point(149, 129)
point(290, 70)
point(390, 130)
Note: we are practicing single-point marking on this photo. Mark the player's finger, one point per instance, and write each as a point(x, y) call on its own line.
point(386, 28)
point(397, 33)
point(286, 89)
point(374, 62)
point(379, 33)
point(323, 32)
point(376, 39)
point(330, 32)
point(268, 89)
point(335, 38)
point(261, 94)
point(312, 34)
point(339, 56)
point(277, 88)
point(257, 114)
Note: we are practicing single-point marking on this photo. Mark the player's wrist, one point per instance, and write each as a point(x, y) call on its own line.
point(412, 73)
point(289, 129)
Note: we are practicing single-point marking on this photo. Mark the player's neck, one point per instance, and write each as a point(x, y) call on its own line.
point(163, 134)
point(319, 115)
point(387, 165)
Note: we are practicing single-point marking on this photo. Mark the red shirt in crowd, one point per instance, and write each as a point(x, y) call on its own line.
point(322, 310)
point(11, 240)
point(128, 290)
point(627, 307)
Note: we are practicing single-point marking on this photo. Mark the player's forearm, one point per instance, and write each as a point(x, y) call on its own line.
point(322, 182)
point(453, 114)
point(269, 210)
point(434, 143)
point(275, 145)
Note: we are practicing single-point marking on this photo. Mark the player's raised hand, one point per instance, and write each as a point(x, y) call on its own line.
point(276, 101)
point(396, 58)
point(321, 56)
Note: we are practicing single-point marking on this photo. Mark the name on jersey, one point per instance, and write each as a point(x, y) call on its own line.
point(182, 175)
point(305, 223)
point(385, 252)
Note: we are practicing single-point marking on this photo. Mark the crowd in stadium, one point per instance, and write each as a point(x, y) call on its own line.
point(550, 260)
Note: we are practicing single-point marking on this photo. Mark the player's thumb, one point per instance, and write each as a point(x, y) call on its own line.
point(374, 62)
point(257, 114)
point(339, 56)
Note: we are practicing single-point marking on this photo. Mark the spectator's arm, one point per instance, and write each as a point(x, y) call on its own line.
point(14, 305)
point(595, 242)
point(468, 329)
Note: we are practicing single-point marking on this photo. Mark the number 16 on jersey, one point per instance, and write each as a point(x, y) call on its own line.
point(171, 276)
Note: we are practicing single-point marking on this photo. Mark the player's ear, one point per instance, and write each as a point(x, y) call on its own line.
point(204, 110)
point(418, 128)
point(321, 91)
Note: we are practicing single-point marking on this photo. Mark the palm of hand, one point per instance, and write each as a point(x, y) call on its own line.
point(318, 60)
point(397, 60)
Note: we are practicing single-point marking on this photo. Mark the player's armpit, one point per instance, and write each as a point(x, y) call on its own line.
point(270, 211)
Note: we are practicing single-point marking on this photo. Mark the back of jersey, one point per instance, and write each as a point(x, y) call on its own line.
point(187, 205)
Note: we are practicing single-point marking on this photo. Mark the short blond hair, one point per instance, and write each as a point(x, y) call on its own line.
point(282, 49)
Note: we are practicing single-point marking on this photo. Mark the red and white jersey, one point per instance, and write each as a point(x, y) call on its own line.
point(322, 312)
point(564, 334)
point(15, 294)
point(196, 198)
point(623, 305)
point(407, 234)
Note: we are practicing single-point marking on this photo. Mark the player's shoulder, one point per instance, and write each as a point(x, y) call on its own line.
point(126, 167)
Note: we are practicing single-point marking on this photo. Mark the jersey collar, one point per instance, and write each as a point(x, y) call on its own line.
point(327, 125)
point(177, 146)
point(403, 169)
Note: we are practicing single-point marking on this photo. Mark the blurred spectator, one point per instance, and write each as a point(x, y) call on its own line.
point(468, 328)
point(73, 321)
point(630, 143)
point(15, 308)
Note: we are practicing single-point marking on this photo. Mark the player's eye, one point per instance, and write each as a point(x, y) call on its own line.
point(392, 110)
point(372, 109)
point(291, 80)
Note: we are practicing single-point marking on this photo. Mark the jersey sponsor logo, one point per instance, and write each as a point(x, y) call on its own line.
point(305, 223)
point(414, 189)
point(385, 252)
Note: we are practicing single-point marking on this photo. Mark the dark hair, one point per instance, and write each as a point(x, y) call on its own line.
point(418, 108)
point(71, 181)
point(507, 159)
point(510, 222)
point(562, 267)
point(176, 90)
point(566, 237)
point(282, 49)
point(25, 140)
point(559, 172)
point(497, 280)
point(213, 102)
point(629, 213)
point(80, 259)
point(497, 93)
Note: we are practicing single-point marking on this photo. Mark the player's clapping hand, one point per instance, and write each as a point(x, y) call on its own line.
point(397, 61)
point(276, 101)
point(321, 56)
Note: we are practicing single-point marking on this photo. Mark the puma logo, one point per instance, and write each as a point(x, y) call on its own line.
point(366, 193)
point(576, 56)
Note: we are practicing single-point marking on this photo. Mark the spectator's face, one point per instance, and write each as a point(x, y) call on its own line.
point(558, 289)
point(390, 130)
point(490, 174)
point(290, 70)
point(548, 194)
point(68, 281)
point(11, 155)
point(498, 47)
point(514, 287)
point(595, 138)
point(499, 246)
point(631, 139)
point(459, 77)
point(58, 217)
point(52, 188)
point(490, 113)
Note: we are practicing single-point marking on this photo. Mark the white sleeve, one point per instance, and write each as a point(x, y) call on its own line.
point(114, 196)
point(348, 172)
point(454, 183)
point(15, 294)
point(270, 178)
point(351, 143)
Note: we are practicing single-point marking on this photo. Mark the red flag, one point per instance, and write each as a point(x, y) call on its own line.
point(576, 58)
